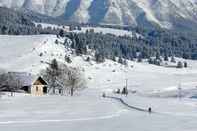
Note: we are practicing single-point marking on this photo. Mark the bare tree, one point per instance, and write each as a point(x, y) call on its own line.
point(68, 78)
point(76, 80)
point(10, 82)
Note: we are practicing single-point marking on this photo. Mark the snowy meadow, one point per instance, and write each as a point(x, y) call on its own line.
point(148, 85)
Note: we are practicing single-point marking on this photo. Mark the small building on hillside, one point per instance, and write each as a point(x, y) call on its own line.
point(25, 82)
point(39, 87)
point(28, 83)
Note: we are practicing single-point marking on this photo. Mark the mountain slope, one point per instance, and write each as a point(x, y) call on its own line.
point(162, 13)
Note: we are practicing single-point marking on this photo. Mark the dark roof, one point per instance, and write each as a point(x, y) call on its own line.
point(41, 80)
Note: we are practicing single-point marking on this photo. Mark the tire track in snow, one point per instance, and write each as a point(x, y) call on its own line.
point(127, 105)
point(116, 114)
point(179, 114)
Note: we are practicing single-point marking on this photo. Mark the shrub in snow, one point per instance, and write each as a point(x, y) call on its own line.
point(125, 91)
point(88, 59)
point(56, 41)
point(173, 59)
point(120, 60)
point(61, 33)
point(113, 70)
point(185, 64)
point(125, 62)
point(166, 57)
point(41, 54)
point(99, 57)
point(68, 59)
point(179, 64)
point(139, 58)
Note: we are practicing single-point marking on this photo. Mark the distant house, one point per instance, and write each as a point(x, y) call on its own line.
point(38, 87)
point(26, 82)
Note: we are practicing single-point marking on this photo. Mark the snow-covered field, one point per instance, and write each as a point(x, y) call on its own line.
point(117, 32)
point(155, 87)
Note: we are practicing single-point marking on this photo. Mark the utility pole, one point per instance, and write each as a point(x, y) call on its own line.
point(126, 83)
point(179, 91)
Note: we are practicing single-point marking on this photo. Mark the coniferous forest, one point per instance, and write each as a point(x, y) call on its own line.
point(143, 44)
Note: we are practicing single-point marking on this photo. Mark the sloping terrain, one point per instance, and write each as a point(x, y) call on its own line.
point(29, 54)
point(87, 110)
point(180, 14)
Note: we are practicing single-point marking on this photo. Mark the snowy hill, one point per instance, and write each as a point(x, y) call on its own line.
point(163, 13)
point(23, 53)
point(27, 54)
point(149, 86)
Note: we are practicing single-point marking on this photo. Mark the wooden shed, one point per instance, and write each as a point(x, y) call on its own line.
point(39, 87)
point(26, 83)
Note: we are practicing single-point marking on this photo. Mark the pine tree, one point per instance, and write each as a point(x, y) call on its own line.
point(120, 60)
point(68, 59)
point(99, 57)
point(139, 58)
point(185, 64)
point(179, 64)
point(166, 57)
point(125, 62)
point(61, 33)
point(173, 59)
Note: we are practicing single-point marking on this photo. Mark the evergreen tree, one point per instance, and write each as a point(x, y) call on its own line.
point(125, 62)
point(158, 56)
point(68, 59)
point(120, 60)
point(179, 64)
point(139, 58)
point(114, 58)
point(88, 59)
point(166, 57)
point(173, 59)
point(61, 33)
point(99, 57)
point(185, 64)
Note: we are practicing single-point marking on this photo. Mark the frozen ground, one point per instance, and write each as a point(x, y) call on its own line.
point(156, 87)
point(88, 112)
point(117, 32)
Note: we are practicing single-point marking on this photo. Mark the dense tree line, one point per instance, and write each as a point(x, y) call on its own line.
point(143, 44)
point(17, 23)
point(152, 44)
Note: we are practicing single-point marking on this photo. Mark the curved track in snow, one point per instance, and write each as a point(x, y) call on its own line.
point(127, 105)
point(116, 114)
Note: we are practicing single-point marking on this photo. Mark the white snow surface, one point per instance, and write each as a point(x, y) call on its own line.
point(155, 87)
point(117, 32)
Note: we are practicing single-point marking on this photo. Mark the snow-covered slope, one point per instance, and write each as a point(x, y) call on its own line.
point(27, 54)
point(164, 13)
point(88, 110)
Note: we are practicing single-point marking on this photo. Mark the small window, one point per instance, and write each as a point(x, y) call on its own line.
point(36, 88)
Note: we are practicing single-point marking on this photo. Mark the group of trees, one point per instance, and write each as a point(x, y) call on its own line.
point(147, 43)
point(9, 82)
point(58, 75)
point(153, 44)
point(22, 22)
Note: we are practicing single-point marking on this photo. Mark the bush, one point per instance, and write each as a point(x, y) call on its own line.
point(179, 64)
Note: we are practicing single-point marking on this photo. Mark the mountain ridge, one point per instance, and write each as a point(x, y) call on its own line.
point(166, 14)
